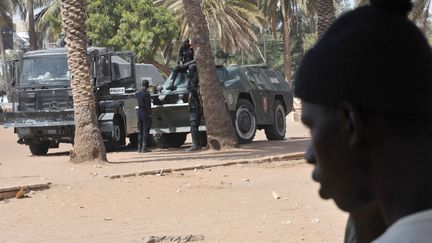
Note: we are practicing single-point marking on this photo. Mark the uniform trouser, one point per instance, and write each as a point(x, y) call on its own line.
point(195, 121)
point(193, 77)
point(144, 125)
point(177, 69)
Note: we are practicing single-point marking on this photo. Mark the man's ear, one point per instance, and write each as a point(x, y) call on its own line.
point(352, 124)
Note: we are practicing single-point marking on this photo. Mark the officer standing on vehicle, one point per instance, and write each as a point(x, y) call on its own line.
point(185, 61)
point(144, 116)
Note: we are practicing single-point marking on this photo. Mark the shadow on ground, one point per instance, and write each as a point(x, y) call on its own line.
point(257, 149)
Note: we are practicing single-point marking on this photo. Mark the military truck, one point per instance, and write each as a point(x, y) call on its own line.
point(256, 97)
point(44, 117)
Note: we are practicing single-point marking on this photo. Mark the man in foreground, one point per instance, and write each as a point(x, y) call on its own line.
point(366, 88)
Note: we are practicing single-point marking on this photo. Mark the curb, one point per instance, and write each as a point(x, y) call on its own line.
point(293, 156)
point(6, 193)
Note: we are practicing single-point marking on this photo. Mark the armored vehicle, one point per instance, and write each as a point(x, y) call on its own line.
point(44, 115)
point(256, 97)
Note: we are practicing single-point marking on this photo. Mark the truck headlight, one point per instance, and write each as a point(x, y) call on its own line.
point(24, 130)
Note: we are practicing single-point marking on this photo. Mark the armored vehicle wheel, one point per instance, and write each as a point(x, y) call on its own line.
point(133, 141)
point(170, 140)
point(39, 148)
point(151, 142)
point(245, 121)
point(277, 130)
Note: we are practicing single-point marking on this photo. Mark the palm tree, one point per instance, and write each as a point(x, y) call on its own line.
point(5, 20)
point(326, 15)
point(25, 8)
point(88, 140)
point(218, 123)
point(48, 20)
point(420, 13)
point(283, 11)
point(232, 23)
point(32, 29)
point(5, 13)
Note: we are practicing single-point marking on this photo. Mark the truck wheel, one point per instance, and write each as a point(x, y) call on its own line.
point(170, 140)
point(245, 121)
point(133, 140)
point(277, 130)
point(117, 139)
point(39, 148)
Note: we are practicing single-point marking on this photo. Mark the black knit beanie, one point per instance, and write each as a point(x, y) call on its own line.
point(372, 57)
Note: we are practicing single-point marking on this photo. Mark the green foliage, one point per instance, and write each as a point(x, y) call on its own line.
point(130, 25)
point(234, 24)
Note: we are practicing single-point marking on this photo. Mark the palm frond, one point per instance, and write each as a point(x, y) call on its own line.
point(231, 22)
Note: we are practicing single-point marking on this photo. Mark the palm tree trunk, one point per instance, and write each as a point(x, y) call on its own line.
point(31, 30)
point(286, 25)
point(3, 67)
point(326, 15)
point(219, 126)
point(88, 140)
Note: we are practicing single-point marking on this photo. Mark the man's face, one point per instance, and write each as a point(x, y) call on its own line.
point(340, 166)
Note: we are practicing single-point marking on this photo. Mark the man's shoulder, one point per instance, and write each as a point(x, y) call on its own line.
point(412, 228)
point(141, 93)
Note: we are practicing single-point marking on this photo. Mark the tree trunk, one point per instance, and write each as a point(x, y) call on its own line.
point(326, 15)
point(219, 126)
point(286, 25)
point(31, 27)
point(3, 67)
point(88, 140)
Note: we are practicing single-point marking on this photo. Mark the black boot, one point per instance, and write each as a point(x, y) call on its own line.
point(195, 144)
point(139, 144)
point(171, 86)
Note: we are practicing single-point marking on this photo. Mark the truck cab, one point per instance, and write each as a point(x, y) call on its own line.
point(43, 111)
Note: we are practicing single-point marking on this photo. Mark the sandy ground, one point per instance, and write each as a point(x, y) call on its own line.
point(223, 204)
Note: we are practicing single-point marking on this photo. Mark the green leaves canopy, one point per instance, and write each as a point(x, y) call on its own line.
point(132, 25)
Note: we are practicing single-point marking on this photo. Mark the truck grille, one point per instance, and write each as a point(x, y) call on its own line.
point(49, 100)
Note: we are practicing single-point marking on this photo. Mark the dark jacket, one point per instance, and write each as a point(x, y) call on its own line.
point(194, 102)
point(144, 101)
point(186, 54)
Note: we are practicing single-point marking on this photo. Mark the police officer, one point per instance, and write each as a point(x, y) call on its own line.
point(195, 110)
point(144, 116)
point(185, 61)
point(195, 119)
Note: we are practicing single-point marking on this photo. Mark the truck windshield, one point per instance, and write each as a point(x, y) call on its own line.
point(45, 70)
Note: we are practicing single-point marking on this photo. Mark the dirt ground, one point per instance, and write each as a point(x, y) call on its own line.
point(222, 204)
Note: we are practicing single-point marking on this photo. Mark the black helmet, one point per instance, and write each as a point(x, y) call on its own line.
point(145, 83)
point(185, 42)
